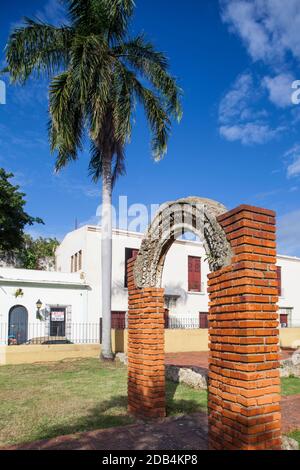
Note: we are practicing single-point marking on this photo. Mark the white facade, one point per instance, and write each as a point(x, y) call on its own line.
point(180, 302)
point(71, 301)
point(289, 301)
point(20, 289)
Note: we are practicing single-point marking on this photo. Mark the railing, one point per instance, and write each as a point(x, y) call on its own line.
point(183, 323)
point(43, 333)
point(81, 333)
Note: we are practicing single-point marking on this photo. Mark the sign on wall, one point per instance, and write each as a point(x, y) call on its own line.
point(57, 315)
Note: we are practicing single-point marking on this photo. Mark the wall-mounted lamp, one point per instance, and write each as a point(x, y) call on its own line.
point(39, 306)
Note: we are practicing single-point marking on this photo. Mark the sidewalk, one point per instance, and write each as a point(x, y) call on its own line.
point(184, 433)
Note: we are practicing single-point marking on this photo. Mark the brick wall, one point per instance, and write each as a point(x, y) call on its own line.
point(244, 384)
point(146, 368)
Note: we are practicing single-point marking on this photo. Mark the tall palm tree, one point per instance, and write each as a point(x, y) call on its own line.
point(97, 74)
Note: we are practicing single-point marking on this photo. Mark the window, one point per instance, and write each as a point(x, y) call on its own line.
point(285, 317)
point(203, 320)
point(194, 274)
point(118, 320)
point(76, 262)
point(129, 253)
point(279, 282)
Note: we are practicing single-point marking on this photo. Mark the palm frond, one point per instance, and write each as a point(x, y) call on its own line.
point(96, 162)
point(153, 66)
point(99, 76)
point(137, 48)
point(157, 117)
point(88, 55)
point(37, 47)
point(67, 119)
point(119, 13)
point(123, 104)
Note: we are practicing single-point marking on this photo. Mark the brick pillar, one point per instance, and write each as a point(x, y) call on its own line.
point(146, 361)
point(244, 383)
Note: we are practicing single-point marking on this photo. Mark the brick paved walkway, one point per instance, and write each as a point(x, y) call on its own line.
point(174, 433)
point(290, 407)
point(196, 359)
point(200, 359)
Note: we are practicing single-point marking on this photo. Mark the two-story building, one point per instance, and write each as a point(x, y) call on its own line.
point(65, 305)
point(184, 276)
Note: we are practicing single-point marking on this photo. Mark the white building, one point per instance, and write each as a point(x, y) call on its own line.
point(71, 296)
point(184, 276)
point(64, 305)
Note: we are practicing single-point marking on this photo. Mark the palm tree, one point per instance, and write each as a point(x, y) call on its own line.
point(97, 74)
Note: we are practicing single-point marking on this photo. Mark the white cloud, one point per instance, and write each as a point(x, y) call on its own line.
point(268, 28)
point(235, 102)
point(279, 89)
point(288, 233)
point(293, 158)
point(249, 133)
point(294, 168)
point(239, 117)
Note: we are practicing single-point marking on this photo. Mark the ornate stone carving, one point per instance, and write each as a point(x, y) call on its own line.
point(192, 214)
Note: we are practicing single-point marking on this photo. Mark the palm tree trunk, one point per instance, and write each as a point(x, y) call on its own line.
point(106, 259)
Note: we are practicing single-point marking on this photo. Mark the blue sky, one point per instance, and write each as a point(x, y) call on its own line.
point(238, 142)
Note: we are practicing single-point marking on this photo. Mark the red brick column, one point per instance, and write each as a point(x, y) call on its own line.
point(146, 365)
point(244, 384)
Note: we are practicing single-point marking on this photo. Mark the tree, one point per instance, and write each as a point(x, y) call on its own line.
point(37, 254)
point(97, 75)
point(13, 217)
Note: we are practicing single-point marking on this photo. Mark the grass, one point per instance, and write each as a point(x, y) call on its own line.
point(41, 401)
point(295, 435)
point(290, 385)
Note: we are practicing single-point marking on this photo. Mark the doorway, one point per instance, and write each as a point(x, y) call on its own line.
point(58, 322)
point(17, 325)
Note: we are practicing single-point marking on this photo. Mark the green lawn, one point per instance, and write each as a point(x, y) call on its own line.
point(290, 385)
point(295, 435)
point(41, 401)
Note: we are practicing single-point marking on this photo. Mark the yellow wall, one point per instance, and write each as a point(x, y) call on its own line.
point(186, 340)
point(119, 341)
point(290, 338)
point(175, 341)
point(30, 354)
point(197, 340)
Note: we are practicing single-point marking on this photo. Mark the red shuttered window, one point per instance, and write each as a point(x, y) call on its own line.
point(118, 320)
point(279, 280)
point(194, 274)
point(203, 320)
point(129, 253)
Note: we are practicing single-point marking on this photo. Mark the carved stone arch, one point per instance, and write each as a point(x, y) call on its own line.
point(244, 380)
point(193, 214)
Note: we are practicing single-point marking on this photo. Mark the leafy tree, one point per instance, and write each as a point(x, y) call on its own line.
point(98, 74)
point(13, 217)
point(37, 254)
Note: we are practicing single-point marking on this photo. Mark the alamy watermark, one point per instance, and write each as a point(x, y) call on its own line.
point(296, 94)
point(2, 92)
point(137, 217)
